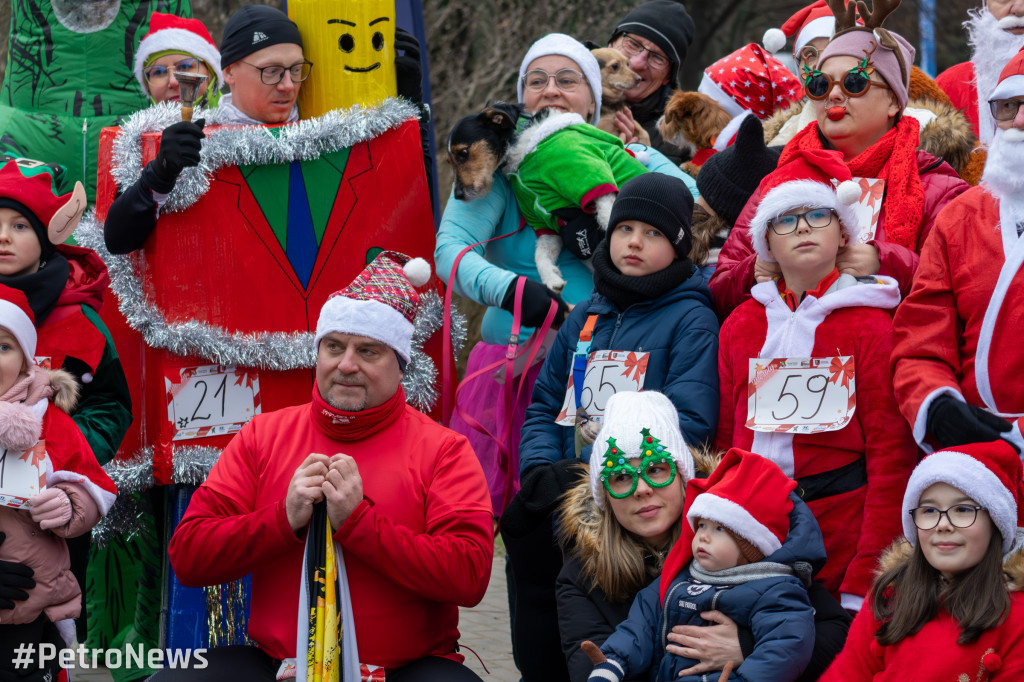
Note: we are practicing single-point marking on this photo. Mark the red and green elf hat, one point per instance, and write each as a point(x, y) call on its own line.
point(34, 185)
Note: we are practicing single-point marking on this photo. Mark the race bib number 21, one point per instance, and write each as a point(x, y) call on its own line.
point(800, 395)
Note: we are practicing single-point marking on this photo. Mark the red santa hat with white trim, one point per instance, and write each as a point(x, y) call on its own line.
point(752, 80)
point(380, 303)
point(173, 34)
point(814, 178)
point(746, 493)
point(1011, 79)
point(988, 473)
point(16, 317)
point(812, 21)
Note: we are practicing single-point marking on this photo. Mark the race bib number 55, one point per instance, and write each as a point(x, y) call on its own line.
point(801, 395)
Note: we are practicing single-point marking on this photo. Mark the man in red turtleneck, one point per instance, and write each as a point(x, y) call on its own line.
point(407, 498)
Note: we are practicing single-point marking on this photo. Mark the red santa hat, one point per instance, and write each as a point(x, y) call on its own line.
point(1011, 79)
point(988, 473)
point(16, 317)
point(380, 303)
point(173, 34)
point(752, 80)
point(813, 21)
point(814, 178)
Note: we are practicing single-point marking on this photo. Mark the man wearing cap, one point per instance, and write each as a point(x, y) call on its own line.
point(655, 37)
point(995, 32)
point(406, 498)
point(957, 360)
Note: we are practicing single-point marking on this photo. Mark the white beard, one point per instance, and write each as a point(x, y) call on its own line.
point(992, 47)
point(1003, 177)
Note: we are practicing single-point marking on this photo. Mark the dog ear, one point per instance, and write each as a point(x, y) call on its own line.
point(591, 45)
point(710, 118)
point(497, 119)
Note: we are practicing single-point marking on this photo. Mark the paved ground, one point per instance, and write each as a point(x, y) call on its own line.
point(484, 629)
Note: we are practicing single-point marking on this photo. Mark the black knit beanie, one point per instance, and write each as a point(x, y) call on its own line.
point(728, 178)
point(45, 247)
point(665, 23)
point(253, 28)
point(661, 201)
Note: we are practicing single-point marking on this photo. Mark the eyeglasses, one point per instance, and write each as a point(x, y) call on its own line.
point(158, 74)
point(623, 482)
point(274, 74)
point(959, 516)
point(808, 56)
point(787, 224)
point(566, 80)
point(631, 47)
point(818, 85)
point(1005, 109)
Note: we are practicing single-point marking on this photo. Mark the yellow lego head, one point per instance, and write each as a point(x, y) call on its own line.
point(352, 43)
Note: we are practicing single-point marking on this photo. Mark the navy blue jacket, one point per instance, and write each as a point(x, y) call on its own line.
point(776, 610)
point(679, 330)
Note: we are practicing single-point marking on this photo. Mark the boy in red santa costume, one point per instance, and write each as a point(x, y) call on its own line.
point(852, 474)
point(958, 358)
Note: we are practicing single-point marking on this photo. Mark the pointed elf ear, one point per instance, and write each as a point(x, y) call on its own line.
point(65, 219)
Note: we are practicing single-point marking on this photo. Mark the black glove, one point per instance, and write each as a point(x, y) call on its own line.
point(540, 491)
point(179, 149)
point(536, 301)
point(953, 422)
point(15, 578)
point(581, 233)
point(407, 66)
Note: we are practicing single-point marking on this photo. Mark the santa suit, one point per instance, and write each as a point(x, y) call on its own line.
point(853, 478)
point(958, 332)
point(417, 546)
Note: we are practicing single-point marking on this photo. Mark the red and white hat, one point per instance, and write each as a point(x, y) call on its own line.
point(16, 317)
point(813, 21)
point(988, 473)
point(380, 303)
point(170, 33)
point(814, 178)
point(1011, 79)
point(752, 80)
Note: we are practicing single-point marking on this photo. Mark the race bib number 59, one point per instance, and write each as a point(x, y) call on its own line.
point(801, 395)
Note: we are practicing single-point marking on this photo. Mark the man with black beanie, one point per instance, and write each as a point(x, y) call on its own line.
point(655, 37)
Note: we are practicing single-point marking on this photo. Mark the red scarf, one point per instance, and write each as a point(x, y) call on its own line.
point(893, 159)
point(351, 426)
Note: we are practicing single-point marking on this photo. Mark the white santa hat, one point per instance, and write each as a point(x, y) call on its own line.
point(810, 22)
point(988, 473)
point(1011, 79)
point(627, 415)
point(173, 34)
point(381, 303)
point(565, 46)
point(813, 178)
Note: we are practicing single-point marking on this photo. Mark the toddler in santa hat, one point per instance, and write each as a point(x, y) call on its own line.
point(52, 488)
point(947, 603)
point(853, 459)
point(739, 555)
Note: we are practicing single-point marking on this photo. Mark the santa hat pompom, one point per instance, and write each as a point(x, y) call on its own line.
point(643, 157)
point(418, 271)
point(20, 427)
point(773, 40)
point(848, 192)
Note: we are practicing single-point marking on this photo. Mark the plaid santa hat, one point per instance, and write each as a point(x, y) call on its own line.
point(380, 303)
point(752, 80)
point(1011, 79)
point(988, 473)
point(16, 317)
point(170, 34)
point(814, 178)
point(32, 188)
point(812, 21)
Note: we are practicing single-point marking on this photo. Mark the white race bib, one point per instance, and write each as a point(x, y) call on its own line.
point(211, 400)
point(872, 191)
point(800, 395)
point(22, 475)
point(608, 372)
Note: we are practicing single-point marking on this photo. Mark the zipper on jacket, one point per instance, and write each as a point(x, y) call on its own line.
point(664, 614)
point(618, 323)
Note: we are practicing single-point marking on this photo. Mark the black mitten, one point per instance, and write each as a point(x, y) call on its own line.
point(581, 233)
point(407, 66)
point(540, 491)
point(536, 302)
point(953, 422)
point(15, 578)
point(179, 149)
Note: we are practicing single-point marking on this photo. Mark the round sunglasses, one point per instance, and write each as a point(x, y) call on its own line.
point(818, 85)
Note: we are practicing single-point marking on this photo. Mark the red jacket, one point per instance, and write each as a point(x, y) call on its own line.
point(66, 331)
point(734, 274)
point(958, 82)
point(859, 523)
point(418, 546)
point(942, 338)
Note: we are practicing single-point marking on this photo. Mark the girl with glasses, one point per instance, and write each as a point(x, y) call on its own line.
point(947, 602)
point(176, 45)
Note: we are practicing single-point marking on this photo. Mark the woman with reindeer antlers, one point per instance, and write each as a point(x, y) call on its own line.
point(860, 90)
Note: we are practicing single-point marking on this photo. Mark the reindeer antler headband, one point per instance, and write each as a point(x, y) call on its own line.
point(846, 22)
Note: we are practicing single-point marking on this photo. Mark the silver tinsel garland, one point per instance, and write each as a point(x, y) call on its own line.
point(246, 145)
point(420, 381)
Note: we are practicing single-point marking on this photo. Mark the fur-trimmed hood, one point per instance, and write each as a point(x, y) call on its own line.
point(899, 552)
